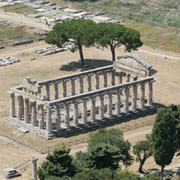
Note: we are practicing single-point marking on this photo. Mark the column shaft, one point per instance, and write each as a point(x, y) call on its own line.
point(150, 99)
point(81, 88)
point(64, 89)
point(19, 107)
point(26, 111)
point(66, 123)
point(142, 98)
point(93, 109)
point(101, 106)
point(72, 87)
point(109, 106)
point(34, 114)
point(48, 121)
point(12, 105)
point(120, 78)
point(89, 82)
point(112, 77)
point(41, 120)
point(134, 100)
point(84, 114)
point(128, 77)
point(126, 105)
point(76, 114)
point(56, 91)
point(118, 102)
point(47, 92)
point(105, 79)
point(58, 118)
point(97, 80)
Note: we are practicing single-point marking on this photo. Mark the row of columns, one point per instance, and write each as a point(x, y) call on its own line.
point(81, 83)
point(26, 106)
point(101, 108)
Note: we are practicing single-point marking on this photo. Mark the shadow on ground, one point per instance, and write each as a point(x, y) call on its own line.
point(90, 64)
point(106, 122)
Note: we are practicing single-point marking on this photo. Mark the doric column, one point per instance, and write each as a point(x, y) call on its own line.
point(58, 118)
point(39, 89)
point(34, 114)
point(142, 98)
point(120, 77)
point(134, 98)
point(93, 108)
point(72, 86)
point(48, 121)
point(76, 114)
point(34, 168)
point(113, 77)
point(41, 120)
point(47, 92)
point(66, 122)
point(19, 107)
point(118, 102)
point(89, 82)
point(12, 104)
point(64, 88)
point(101, 106)
point(97, 80)
point(105, 78)
point(109, 106)
point(56, 91)
point(126, 103)
point(128, 77)
point(81, 85)
point(84, 111)
point(150, 98)
point(26, 110)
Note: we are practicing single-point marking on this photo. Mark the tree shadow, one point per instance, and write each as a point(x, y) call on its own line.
point(90, 64)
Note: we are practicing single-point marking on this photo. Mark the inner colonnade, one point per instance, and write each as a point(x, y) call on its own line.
point(47, 108)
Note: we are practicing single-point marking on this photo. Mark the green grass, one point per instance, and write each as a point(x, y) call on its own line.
point(21, 9)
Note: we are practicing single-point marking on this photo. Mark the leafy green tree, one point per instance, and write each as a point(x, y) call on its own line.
point(107, 148)
point(80, 30)
point(58, 164)
point(83, 162)
point(164, 138)
point(143, 150)
point(115, 35)
point(125, 175)
point(58, 178)
point(94, 174)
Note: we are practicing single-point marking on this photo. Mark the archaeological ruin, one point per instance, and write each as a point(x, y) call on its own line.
point(53, 107)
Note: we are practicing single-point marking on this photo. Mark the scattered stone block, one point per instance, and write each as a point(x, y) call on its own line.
point(23, 130)
point(10, 173)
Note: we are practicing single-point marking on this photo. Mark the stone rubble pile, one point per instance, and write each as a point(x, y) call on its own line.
point(8, 60)
point(50, 50)
point(10, 173)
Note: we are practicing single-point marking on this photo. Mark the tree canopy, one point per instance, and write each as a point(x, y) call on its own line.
point(58, 164)
point(115, 35)
point(107, 148)
point(164, 138)
point(80, 30)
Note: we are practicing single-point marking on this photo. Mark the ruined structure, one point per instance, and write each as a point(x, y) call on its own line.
point(58, 105)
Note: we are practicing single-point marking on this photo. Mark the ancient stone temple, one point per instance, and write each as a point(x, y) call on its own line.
point(58, 105)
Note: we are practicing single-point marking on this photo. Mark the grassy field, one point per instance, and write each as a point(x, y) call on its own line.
point(157, 31)
point(19, 8)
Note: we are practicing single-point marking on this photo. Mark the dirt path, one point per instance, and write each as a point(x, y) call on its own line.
point(19, 19)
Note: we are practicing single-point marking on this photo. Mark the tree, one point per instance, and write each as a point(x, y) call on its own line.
point(143, 150)
point(115, 35)
point(58, 164)
point(94, 174)
point(125, 175)
point(164, 138)
point(80, 30)
point(107, 148)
